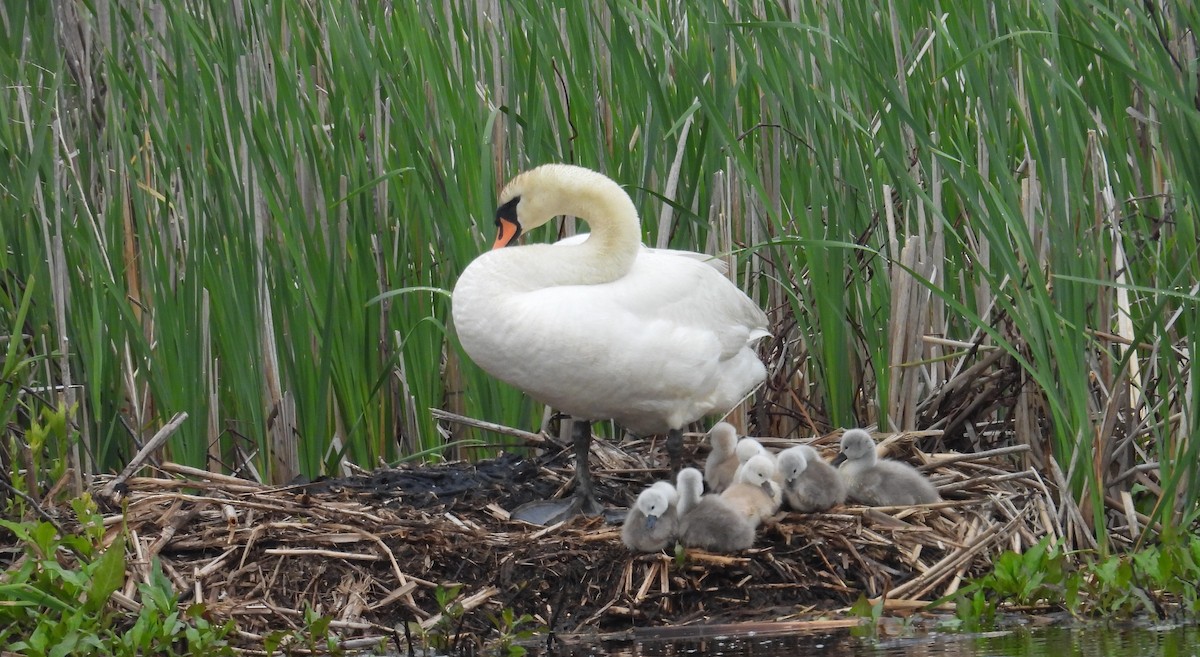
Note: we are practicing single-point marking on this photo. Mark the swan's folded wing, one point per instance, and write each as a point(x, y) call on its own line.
point(569, 346)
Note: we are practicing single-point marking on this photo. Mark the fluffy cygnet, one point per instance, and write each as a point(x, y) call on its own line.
point(709, 522)
point(755, 494)
point(746, 449)
point(652, 523)
point(879, 482)
point(722, 461)
point(809, 483)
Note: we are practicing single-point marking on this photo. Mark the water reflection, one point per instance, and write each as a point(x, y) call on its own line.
point(1053, 641)
point(1093, 642)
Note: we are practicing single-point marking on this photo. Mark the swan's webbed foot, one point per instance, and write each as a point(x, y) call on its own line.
point(548, 512)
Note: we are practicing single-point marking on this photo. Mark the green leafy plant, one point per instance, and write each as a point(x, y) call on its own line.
point(42, 448)
point(1029, 578)
point(315, 636)
point(162, 628)
point(868, 611)
point(441, 635)
point(1159, 580)
point(55, 602)
point(1156, 580)
point(1040, 575)
point(511, 628)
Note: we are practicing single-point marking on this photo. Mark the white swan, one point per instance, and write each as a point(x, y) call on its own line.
point(722, 461)
point(880, 482)
point(754, 493)
point(652, 523)
point(809, 483)
point(653, 339)
point(709, 522)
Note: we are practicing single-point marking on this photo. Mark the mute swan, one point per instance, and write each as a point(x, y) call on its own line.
point(879, 482)
point(653, 339)
point(651, 524)
point(754, 493)
point(809, 483)
point(709, 522)
point(722, 461)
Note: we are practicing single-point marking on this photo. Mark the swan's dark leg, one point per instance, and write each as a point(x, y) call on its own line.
point(548, 512)
point(675, 450)
point(585, 490)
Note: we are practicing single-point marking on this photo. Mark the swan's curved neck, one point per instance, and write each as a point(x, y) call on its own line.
point(616, 233)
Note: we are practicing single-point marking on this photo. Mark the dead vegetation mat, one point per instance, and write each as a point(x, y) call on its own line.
point(372, 551)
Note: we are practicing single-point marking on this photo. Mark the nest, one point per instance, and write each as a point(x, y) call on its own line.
point(375, 551)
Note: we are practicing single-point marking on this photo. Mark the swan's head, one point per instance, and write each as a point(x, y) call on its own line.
point(723, 437)
point(748, 448)
point(653, 503)
point(856, 444)
point(792, 463)
point(540, 194)
point(759, 471)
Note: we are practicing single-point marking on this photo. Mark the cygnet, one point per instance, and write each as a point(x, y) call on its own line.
point(652, 523)
point(722, 461)
point(879, 482)
point(746, 449)
point(755, 493)
point(709, 522)
point(809, 483)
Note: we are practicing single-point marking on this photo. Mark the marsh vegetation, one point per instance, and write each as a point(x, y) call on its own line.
point(976, 220)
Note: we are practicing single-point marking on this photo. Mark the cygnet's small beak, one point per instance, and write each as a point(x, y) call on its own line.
point(837, 460)
point(766, 485)
point(651, 521)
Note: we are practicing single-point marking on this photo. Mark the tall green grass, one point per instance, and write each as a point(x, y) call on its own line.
point(213, 197)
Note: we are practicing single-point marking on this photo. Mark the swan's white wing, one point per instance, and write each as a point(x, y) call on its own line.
point(663, 285)
point(674, 326)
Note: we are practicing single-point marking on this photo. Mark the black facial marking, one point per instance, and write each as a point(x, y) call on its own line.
point(508, 212)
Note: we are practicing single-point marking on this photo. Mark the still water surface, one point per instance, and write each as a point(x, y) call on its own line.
point(1052, 641)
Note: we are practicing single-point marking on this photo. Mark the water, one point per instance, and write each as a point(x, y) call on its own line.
point(1052, 641)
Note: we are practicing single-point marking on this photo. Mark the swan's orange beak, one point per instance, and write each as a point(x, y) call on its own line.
point(507, 232)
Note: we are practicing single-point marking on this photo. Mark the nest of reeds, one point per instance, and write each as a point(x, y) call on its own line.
point(377, 551)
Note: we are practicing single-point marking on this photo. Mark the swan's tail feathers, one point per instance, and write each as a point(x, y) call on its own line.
point(711, 260)
point(757, 334)
point(716, 263)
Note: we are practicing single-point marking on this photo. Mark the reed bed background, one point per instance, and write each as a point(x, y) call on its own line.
point(973, 217)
